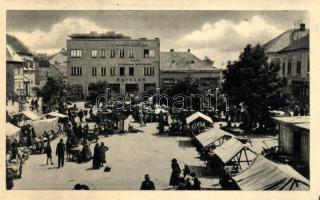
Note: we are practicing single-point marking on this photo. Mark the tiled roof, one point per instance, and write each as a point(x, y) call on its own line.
point(183, 61)
point(283, 40)
point(302, 43)
point(17, 45)
point(12, 56)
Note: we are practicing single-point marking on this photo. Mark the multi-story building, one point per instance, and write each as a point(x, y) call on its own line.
point(127, 65)
point(14, 73)
point(290, 50)
point(178, 65)
point(59, 61)
point(295, 67)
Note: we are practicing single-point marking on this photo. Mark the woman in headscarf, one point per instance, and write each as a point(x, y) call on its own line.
point(86, 154)
point(96, 157)
point(174, 179)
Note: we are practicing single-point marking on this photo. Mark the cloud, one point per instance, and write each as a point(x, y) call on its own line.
point(228, 36)
point(55, 38)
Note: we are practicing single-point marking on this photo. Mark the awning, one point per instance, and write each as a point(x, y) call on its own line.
point(264, 174)
point(56, 114)
point(228, 150)
point(12, 131)
point(29, 114)
point(198, 115)
point(209, 137)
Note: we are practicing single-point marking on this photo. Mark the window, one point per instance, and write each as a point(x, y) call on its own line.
point(94, 53)
point(103, 71)
point(121, 53)
point(103, 53)
point(298, 67)
point(112, 71)
point(94, 71)
point(283, 68)
point(152, 53)
point(112, 53)
point(121, 71)
point(130, 53)
point(289, 67)
point(131, 71)
point(148, 71)
point(146, 53)
point(76, 71)
point(75, 53)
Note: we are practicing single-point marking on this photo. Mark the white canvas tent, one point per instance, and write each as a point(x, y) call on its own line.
point(264, 174)
point(40, 126)
point(29, 115)
point(210, 137)
point(198, 115)
point(12, 132)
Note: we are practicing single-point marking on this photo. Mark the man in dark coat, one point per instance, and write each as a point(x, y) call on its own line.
point(174, 179)
point(80, 115)
point(147, 184)
point(102, 150)
point(60, 153)
point(49, 152)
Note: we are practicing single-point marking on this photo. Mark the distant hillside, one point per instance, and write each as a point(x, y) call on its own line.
point(17, 45)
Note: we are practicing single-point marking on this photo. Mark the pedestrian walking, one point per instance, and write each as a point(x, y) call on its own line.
point(49, 152)
point(147, 184)
point(186, 171)
point(60, 153)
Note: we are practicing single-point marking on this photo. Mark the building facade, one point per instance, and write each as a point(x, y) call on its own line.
point(127, 65)
point(295, 67)
point(59, 61)
point(178, 65)
point(14, 73)
point(290, 50)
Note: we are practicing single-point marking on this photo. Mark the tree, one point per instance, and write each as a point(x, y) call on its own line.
point(208, 60)
point(253, 82)
point(53, 92)
point(96, 89)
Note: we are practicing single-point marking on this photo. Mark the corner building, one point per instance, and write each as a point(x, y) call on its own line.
point(128, 65)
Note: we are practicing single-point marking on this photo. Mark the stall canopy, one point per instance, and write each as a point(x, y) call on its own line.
point(12, 131)
point(229, 149)
point(40, 126)
point(264, 174)
point(29, 115)
point(56, 114)
point(198, 115)
point(209, 137)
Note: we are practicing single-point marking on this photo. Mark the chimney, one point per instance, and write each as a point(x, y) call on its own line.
point(189, 50)
point(171, 50)
point(302, 27)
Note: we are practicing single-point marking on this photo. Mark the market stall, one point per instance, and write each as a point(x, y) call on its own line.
point(12, 132)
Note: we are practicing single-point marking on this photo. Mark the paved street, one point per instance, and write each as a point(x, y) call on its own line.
point(130, 156)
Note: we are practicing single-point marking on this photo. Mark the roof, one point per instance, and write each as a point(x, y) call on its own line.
point(183, 61)
point(300, 44)
point(209, 137)
point(283, 40)
point(29, 114)
point(228, 150)
point(12, 129)
point(197, 115)
point(56, 114)
point(293, 119)
point(264, 174)
point(17, 45)
point(12, 56)
point(304, 126)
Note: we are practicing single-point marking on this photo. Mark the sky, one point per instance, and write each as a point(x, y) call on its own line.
point(220, 35)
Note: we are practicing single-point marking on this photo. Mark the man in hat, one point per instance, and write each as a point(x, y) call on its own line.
point(147, 184)
point(60, 153)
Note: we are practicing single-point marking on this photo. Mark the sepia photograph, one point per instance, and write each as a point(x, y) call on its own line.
point(157, 100)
